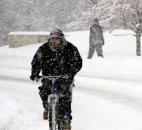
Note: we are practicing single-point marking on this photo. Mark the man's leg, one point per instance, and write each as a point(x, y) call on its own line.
point(44, 96)
point(65, 106)
point(99, 50)
point(44, 91)
point(91, 51)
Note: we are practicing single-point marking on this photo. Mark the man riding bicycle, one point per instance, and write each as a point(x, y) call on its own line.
point(57, 57)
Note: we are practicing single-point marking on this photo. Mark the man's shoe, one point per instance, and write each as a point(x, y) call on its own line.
point(45, 115)
point(66, 126)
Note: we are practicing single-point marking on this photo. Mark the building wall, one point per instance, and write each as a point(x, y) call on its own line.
point(20, 39)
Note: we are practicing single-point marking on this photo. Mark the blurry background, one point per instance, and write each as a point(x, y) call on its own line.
point(69, 15)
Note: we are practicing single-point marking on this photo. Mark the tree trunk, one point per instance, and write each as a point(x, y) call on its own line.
point(138, 44)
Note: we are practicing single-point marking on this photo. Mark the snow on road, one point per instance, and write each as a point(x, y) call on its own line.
point(107, 95)
point(94, 106)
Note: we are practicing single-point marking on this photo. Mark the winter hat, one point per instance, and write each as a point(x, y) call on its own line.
point(96, 20)
point(56, 33)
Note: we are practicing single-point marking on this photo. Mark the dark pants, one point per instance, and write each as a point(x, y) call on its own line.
point(92, 49)
point(63, 89)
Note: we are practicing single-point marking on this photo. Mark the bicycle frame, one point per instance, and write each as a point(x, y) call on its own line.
point(53, 99)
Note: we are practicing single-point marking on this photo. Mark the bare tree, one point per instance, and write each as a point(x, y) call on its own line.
point(129, 14)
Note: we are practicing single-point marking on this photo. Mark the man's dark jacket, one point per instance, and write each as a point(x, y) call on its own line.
point(66, 60)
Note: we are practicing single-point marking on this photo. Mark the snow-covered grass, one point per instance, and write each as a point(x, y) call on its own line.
point(108, 90)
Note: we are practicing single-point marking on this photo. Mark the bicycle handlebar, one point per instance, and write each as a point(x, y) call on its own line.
point(50, 77)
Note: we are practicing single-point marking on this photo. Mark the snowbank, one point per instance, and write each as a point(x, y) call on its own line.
point(122, 32)
point(12, 115)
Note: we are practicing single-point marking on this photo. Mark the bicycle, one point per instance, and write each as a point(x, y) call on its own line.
point(55, 123)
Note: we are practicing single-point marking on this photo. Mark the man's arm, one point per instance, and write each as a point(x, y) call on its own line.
point(90, 35)
point(36, 65)
point(102, 37)
point(76, 62)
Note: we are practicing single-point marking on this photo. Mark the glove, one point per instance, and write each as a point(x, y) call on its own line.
point(69, 76)
point(66, 79)
point(35, 78)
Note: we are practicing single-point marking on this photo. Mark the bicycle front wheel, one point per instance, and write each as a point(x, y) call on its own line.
point(52, 116)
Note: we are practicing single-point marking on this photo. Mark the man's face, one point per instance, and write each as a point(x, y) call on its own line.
point(95, 22)
point(56, 42)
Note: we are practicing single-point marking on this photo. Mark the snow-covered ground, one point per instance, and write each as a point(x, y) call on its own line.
point(107, 96)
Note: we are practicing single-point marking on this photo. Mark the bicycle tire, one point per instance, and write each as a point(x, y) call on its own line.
point(52, 116)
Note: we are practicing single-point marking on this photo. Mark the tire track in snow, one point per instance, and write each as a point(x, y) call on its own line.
point(108, 95)
point(126, 79)
point(2, 77)
point(10, 78)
